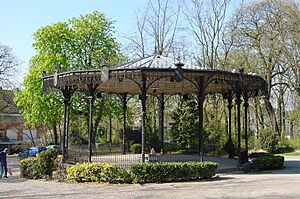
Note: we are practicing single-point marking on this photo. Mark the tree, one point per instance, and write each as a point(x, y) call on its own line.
point(156, 29)
point(185, 124)
point(263, 29)
point(206, 21)
point(207, 24)
point(85, 42)
point(8, 65)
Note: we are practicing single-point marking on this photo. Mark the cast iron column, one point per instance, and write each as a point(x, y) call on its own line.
point(124, 119)
point(67, 97)
point(238, 107)
point(161, 120)
point(143, 98)
point(91, 103)
point(246, 105)
point(229, 106)
point(201, 98)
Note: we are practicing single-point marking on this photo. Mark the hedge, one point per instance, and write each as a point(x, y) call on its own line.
point(28, 168)
point(268, 162)
point(172, 171)
point(38, 167)
point(141, 173)
point(97, 172)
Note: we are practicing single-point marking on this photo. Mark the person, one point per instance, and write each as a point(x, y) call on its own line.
point(3, 163)
point(152, 151)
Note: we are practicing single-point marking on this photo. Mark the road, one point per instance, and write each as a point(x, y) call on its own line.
point(275, 184)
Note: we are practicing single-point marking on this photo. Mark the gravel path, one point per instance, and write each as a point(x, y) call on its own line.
point(269, 184)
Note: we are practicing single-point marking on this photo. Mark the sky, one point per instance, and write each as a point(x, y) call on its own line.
point(19, 19)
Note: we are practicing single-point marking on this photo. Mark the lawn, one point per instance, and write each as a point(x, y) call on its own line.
point(295, 153)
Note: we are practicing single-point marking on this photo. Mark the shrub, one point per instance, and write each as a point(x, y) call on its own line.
point(97, 172)
point(28, 168)
point(38, 167)
point(141, 173)
point(172, 171)
point(268, 162)
point(136, 148)
point(46, 162)
point(268, 140)
point(258, 154)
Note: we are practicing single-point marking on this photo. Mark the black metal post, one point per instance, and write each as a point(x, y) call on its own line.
point(91, 103)
point(229, 106)
point(201, 98)
point(246, 105)
point(67, 97)
point(230, 144)
point(110, 130)
point(161, 120)
point(66, 104)
point(238, 107)
point(143, 98)
point(124, 120)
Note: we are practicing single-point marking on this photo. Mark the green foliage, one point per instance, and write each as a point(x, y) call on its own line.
point(268, 139)
point(170, 172)
point(39, 167)
point(136, 148)
point(28, 168)
point(268, 162)
point(85, 42)
point(46, 162)
point(35, 106)
point(185, 126)
point(132, 136)
point(153, 140)
point(141, 173)
point(295, 142)
point(97, 172)
point(215, 136)
point(294, 118)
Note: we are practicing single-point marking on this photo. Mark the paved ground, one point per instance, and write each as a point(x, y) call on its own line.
point(269, 184)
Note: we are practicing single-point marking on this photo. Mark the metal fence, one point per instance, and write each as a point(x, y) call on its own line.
point(126, 160)
point(123, 160)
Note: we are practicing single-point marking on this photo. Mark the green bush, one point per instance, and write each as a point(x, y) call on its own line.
point(38, 167)
point(172, 171)
point(46, 162)
point(268, 139)
point(97, 172)
point(28, 168)
point(141, 173)
point(136, 148)
point(268, 162)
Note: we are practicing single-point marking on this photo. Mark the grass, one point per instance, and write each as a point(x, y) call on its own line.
point(295, 153)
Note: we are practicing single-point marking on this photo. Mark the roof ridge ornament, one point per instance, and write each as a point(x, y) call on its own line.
point(179, 72)
point(104, 73)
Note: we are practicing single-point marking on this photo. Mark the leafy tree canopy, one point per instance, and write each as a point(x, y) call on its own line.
point(85, 42)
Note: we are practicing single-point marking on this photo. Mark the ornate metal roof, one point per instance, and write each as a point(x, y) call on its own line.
point(159, 74)
point(154, 61)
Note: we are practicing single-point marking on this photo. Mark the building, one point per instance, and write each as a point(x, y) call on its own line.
point(13, 132)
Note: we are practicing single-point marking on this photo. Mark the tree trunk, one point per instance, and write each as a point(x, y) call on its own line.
point(97, 122)
point(55, 134)
point(271, 114)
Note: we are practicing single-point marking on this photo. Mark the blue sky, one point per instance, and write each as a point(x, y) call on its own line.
point(19, 19)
